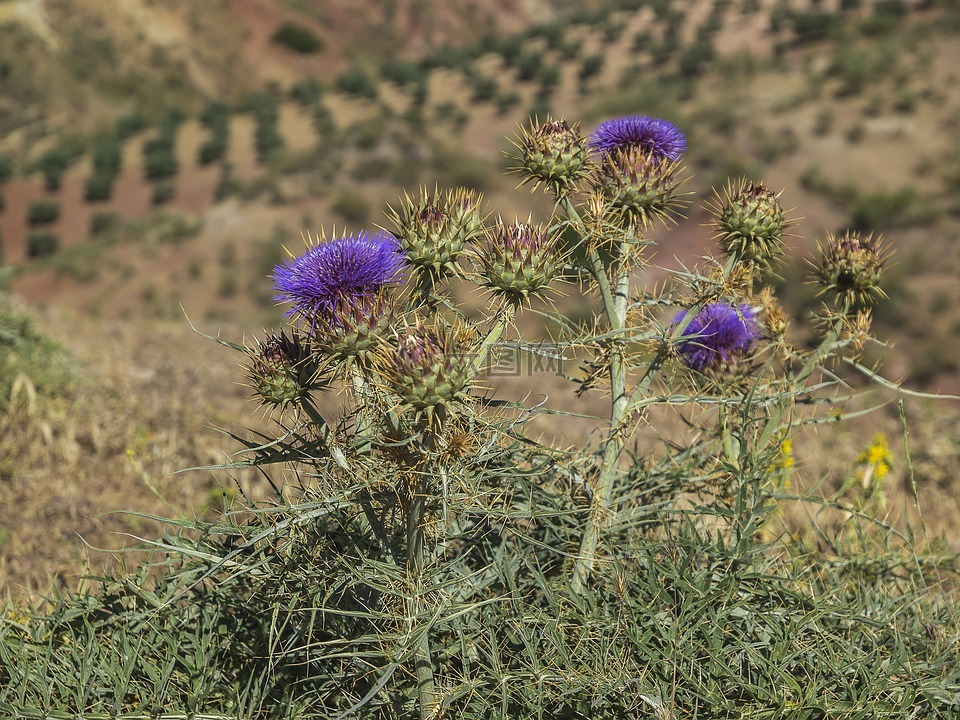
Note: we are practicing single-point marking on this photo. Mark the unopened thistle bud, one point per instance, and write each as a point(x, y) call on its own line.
point(429, 367)
point(851, 267)
point(434, 229)
point(283, 371)
point(553, 153)
point(749, 223)
point(520, 260)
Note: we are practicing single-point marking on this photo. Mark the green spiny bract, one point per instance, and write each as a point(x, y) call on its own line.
point(519, 260)
point(434, 229)
point(750, 222)
point(283, 370)
point(552, 153)
point(638, 183)
point(851, 267)
point(430, 367)
point(359, 327)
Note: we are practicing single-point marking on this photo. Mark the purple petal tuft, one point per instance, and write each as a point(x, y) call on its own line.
point(659, 137)
point(719, 332)
point(344, 270)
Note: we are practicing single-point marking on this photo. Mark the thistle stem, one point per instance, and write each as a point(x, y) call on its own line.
point(616, 304)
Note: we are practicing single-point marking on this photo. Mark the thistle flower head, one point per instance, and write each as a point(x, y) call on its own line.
point(337, 273)
point(661, 139)
point(553, 153)
point(428, 367)
point(750, 221)
point(282, 370)
point(520, 260)
point(851, 267)
point(718, 334)
point(435, 228)
point(638, 182)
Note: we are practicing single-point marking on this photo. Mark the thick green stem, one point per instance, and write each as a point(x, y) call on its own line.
point(616, 304)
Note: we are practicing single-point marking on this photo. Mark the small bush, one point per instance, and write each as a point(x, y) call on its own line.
point(401, 72)
point(298, 38)
point(130, 125)
point(163, 192)
point(355, 81)
point(98, 187)
point(42, 212)
point(6, 168)
point(307, 92)
point(42, 244)
point(101, 222)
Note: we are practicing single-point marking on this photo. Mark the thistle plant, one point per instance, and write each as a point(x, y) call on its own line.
point(437, 560)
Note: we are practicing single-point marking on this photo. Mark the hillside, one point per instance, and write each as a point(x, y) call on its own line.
point(851, 110)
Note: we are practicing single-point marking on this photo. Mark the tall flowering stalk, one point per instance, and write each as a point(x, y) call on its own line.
point(375, 312)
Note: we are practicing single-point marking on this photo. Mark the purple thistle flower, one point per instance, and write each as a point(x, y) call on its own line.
point(344, 271)
point(719, 332)
point(660, 138)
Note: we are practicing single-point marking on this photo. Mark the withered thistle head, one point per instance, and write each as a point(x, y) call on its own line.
point(283, 370)
point(520, 260)
point(429, 367)
point(435, 228)
point(850, 268)
point(750, 221)
point(552, 153)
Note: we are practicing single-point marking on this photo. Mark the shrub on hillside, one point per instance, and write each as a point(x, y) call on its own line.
point(101, 222)
point(307, 92)
point(129, 125)
point(42, 244)
point(6, 168)
point(356, 81)
point(42, 212)
point(298, 38)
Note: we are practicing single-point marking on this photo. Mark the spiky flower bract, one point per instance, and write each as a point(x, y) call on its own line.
point(429, 367)
point(750, 222)
point(851, 267)
point(660, 138)
point(358, 327)
point(283, 370)
point(435, 228)
point(552, 153)
point(344, 271)
point(718, 334)
point(637, 183)
point(520, 260)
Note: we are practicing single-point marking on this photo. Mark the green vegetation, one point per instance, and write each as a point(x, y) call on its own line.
point(6, 168)
point(216, 118)
point(356, 81)
point(159, 153)
point(42, 244)
point(43, 212)
point(298, 38)
point(267, 139)
point(107, 158)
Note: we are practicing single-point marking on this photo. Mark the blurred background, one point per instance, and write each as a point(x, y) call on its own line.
point(156, 156)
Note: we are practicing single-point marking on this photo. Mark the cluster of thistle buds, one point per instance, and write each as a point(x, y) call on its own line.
point(348, 295)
